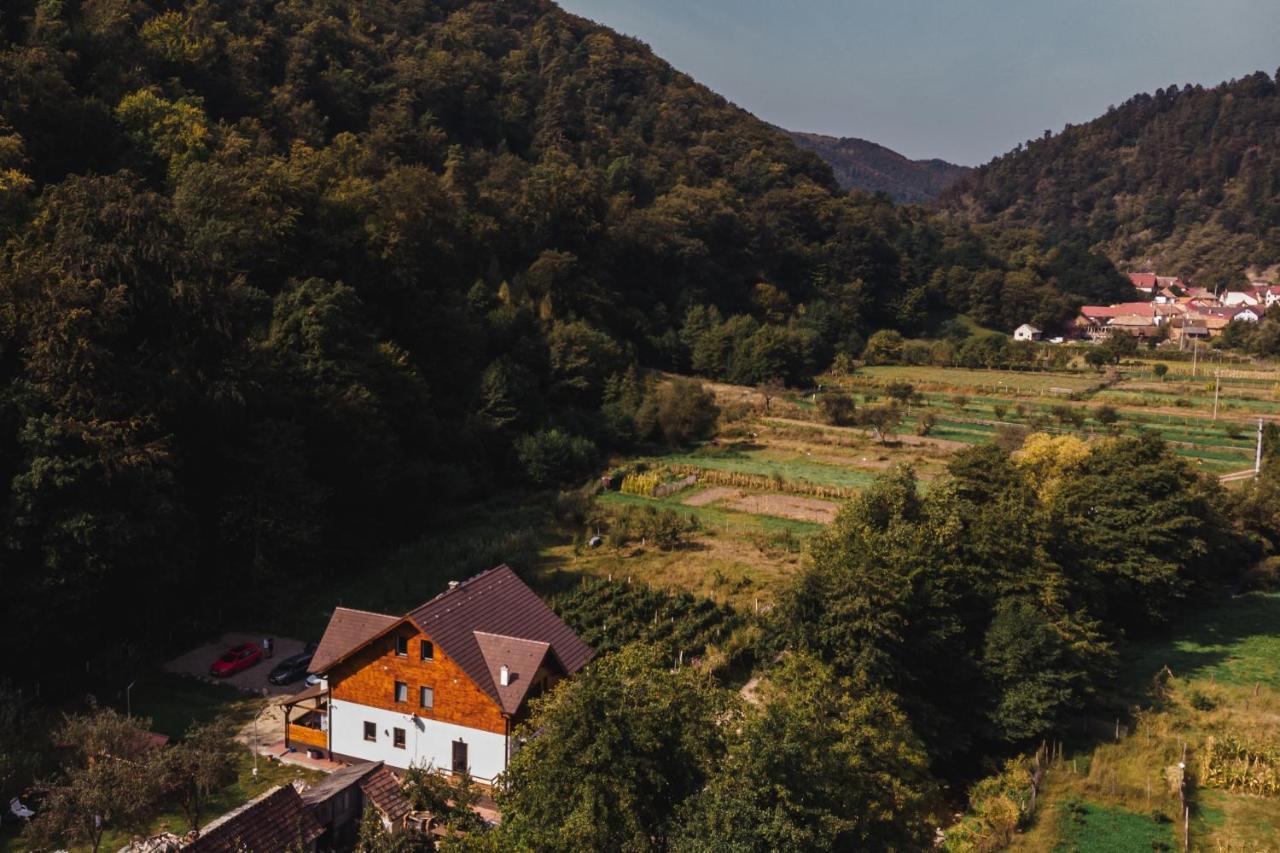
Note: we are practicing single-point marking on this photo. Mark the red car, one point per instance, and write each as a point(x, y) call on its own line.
point(235, 660)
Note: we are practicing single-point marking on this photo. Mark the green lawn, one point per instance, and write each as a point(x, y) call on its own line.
point(1237, 643)
point(1086, 827)
point(766, 464)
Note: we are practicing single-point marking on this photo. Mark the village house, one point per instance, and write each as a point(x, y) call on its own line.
point(1158, 287)
point(442, 686)
point(1142, 319)
point(1234, 298)
point(1269, 295)
point(1027, 332)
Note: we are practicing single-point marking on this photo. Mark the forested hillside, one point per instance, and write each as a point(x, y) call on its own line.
point(862, 165)
point(280, 279)
point(1186, 181)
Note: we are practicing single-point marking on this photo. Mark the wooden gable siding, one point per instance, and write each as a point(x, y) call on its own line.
point(368, 678)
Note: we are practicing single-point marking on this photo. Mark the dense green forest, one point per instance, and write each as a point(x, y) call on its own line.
point(279, 279)
point(1185, 181)
point(862, 165)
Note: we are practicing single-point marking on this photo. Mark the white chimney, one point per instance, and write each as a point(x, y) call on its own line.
point(504, 675)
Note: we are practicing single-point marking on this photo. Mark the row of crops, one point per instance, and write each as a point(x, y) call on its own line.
point(609, 614)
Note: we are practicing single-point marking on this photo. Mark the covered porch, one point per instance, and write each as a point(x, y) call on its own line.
point(306, 720)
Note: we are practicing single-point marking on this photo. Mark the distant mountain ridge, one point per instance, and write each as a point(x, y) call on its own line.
point(1185, 181)
point(863, 165)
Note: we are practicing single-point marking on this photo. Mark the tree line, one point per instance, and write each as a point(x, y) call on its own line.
point(279, 279)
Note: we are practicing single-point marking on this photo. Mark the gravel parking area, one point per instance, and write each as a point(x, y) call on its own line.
point(196, 663)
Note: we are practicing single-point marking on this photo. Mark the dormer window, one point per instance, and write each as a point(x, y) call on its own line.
point(402, 647)
point(426, 650)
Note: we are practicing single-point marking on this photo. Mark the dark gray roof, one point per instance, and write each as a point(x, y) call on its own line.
point(339, 781)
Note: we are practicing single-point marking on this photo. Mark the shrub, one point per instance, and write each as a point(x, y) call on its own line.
point(1160, 370)
point(1106, 415)
point(999, 410)
point(686, 411)
point(884, 347)
point(960, 401)
point(554, 456)
point(900, 391)
point(837, 408)
point(1010, 437)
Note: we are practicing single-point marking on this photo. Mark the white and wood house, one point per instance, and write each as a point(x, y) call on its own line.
point(444, 685)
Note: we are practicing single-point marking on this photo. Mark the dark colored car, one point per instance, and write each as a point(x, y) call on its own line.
point(236, 659)
point(290, 669)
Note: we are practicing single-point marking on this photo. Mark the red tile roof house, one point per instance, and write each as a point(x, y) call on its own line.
point(444, 685)
point(1142, 318)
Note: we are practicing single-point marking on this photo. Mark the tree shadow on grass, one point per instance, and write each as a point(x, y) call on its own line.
point(1236, 642)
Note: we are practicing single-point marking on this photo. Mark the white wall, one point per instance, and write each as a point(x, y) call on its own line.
point(426, 740)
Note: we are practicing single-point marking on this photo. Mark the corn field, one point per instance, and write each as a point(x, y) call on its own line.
point(1236, 763)
point(759, 482)
point(644, 484)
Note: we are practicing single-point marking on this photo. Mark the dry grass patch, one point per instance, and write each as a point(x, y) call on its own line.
point(786, 506)
point(736, 569)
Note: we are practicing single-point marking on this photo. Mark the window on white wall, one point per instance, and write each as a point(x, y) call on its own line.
point(397, 738)
point(370, 732)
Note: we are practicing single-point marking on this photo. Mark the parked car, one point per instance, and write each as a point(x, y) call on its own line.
point(290, 669)
point(236, 659)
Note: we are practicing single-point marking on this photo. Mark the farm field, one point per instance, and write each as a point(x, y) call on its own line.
point(1222, 681)
point(968, 405)
point(778, 471)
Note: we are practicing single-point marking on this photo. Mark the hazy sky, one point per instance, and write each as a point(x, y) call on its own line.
point(960, 79)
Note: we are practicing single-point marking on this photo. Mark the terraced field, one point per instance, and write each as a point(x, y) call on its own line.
point(967, 405)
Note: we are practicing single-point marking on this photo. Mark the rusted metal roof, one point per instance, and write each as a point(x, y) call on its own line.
point(348, 630)
point(496, 602)
point(276, 820)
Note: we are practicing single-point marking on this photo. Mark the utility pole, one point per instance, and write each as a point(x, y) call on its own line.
point(1217, 384)
point(1195, 355)
point(1257, 459)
